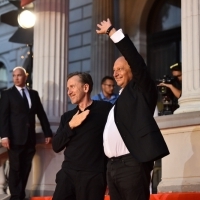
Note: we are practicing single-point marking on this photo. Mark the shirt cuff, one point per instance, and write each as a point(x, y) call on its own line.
point(117, 36)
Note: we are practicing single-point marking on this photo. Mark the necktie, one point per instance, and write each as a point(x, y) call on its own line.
point(25, 99)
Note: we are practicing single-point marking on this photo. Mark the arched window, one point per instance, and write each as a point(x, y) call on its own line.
point(165, 15)
point(163, 37)
point(3, 77)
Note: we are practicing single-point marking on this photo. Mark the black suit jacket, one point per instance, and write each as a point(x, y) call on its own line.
point(135, 107)
point(16, 121)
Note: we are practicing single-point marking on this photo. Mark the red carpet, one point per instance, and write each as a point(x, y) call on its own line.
point(176, 196)
point(164, 196)
point(50, 198)
point(41, 198)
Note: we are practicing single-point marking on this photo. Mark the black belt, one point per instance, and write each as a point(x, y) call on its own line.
point(120, 157)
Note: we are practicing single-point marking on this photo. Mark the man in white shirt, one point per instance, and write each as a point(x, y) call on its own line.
point(132, 139)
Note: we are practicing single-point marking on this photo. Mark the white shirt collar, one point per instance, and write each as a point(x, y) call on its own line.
point(120, 91)
point(20, 88)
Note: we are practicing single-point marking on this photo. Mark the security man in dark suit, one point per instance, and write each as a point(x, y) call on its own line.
point(132, 139)
point(18, 107)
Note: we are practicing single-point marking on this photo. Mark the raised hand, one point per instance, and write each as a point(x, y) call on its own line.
point(77, 119)
point(103, 26)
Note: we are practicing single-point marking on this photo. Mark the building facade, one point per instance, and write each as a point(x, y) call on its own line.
point(65, 40)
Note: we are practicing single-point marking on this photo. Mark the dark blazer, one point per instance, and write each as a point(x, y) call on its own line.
point(16, 121)
point(135, 107)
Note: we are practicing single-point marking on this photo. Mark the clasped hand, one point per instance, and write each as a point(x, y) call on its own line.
point(78, 118)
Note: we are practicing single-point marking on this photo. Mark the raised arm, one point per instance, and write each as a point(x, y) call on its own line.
point(130, 53)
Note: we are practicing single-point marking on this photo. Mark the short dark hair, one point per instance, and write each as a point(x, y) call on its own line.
point(176, 67)
point(85, 78)
point(106, 78)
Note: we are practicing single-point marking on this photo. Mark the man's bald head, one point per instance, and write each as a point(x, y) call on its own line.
point(122, 72)
point(19, 67)
point(19, 76)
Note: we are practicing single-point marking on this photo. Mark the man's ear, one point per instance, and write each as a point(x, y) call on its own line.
point(86, 88)
point(27, 74)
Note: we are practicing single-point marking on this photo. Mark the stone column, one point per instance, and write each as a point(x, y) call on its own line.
point(50, 56)
point(190, 99)
point(102, 57)
point(49, 79)
point(180, 169)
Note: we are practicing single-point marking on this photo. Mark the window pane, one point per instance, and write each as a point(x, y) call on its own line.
point(171, 17)
point(164, 15)
point(3, 76)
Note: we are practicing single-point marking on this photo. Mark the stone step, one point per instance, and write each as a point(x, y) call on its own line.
point(4, 197)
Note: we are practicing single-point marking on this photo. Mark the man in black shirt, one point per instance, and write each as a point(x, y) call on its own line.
point(82, 176)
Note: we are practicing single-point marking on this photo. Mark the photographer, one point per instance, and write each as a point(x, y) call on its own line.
point(175, 87)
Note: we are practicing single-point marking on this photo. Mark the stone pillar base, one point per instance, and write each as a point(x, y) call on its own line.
point(46, 163)
point(40, 191)
point(4, 197)
point(180, 185)
point(188, 106)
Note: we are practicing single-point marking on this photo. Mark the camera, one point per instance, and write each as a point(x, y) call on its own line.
point(163, 90)
point(167, 95)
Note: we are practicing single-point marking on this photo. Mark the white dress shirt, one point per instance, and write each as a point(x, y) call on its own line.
point(117, 36)
point(26, 92)
point(113, 144)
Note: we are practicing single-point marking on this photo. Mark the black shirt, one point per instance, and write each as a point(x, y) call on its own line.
point(84, 144)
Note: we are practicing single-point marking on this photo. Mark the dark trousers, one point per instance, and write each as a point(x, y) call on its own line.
point(128, 179)
point(20, 160)
point(79, 185)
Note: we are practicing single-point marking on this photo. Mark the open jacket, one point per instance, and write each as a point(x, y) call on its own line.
point(135, 107)
point(16, 121)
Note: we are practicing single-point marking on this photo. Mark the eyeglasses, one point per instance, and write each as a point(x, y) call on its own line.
point(109, 85)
